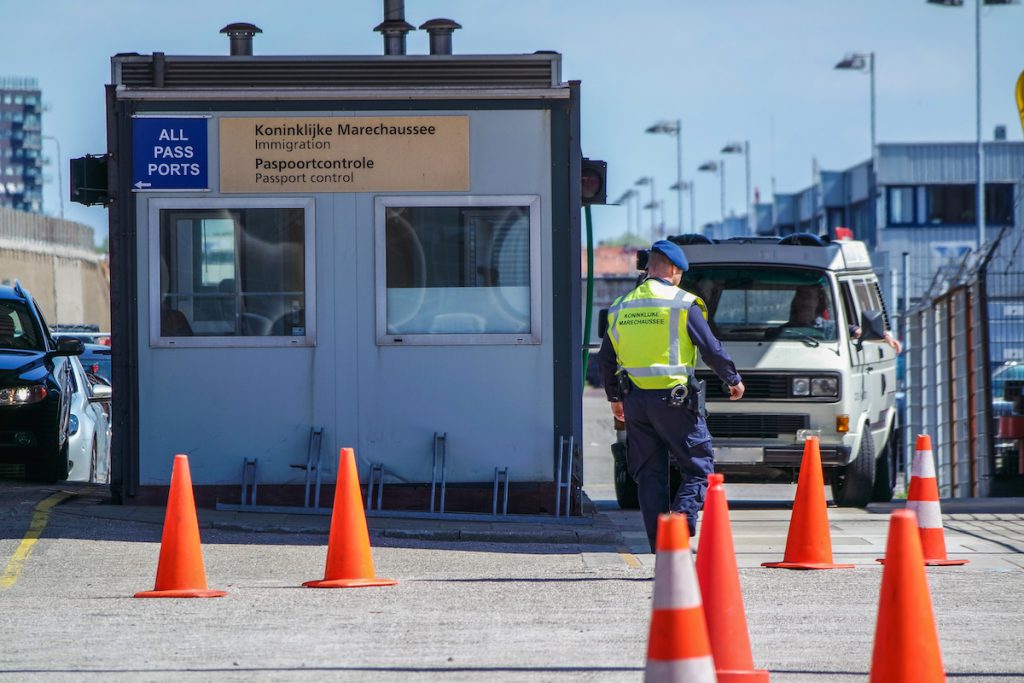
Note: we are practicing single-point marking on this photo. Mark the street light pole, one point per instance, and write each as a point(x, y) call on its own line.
point(735, 148)
point(687, 186)
point(674, 128)
point(648, 180)
point(863, 61)
point(60, 179)
point(717, 167)
point(627, 198)
point(980, 191)
point(979, 197)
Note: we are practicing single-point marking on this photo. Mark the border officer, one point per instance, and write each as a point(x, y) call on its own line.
point(647, 364)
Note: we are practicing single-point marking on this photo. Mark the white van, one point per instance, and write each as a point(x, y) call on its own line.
point(786, 309)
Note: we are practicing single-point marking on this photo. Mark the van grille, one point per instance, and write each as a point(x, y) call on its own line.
point(757, 386)
point(755, 425)
point(765, 386)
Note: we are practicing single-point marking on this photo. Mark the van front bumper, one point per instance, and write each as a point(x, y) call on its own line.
point(779, 456)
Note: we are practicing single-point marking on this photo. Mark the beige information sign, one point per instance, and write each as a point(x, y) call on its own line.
point(344, 154)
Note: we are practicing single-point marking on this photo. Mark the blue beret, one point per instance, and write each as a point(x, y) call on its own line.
point(673, 252)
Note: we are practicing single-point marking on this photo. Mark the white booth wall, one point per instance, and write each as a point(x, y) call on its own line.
point(220, 404)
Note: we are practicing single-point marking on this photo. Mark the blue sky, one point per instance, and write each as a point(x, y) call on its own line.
point(729, 69)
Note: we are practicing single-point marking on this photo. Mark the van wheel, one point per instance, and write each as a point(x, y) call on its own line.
point(625, 486)
point(885, 472)
point(852, 485)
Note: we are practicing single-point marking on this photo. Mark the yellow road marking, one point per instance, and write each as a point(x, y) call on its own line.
point(629, 558)
point(35, 530)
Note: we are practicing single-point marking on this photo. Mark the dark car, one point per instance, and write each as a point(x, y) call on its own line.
point(35, 389)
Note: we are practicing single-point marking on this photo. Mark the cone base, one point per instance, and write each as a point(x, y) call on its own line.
point(350, 583)
point(182, 593)
point(934, 563)
point(805, 565)
point(733, 676)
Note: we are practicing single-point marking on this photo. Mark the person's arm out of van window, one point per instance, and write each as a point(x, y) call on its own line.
point(892, 341)
point(712, 352)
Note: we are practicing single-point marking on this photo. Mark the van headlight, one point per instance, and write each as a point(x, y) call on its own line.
point(21, 396)
point(801, 386)
point(72, 425)
point(825, 386)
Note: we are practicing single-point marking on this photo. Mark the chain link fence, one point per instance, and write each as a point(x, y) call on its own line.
point(965, 350)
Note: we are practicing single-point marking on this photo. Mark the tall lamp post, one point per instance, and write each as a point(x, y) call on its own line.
point(719, 168)
point(863, 62)
point(648, 180)
point(60, 177)
point(980, 153)
point(658, 206)
point(674, 128)
point(687, 186)
point(744, 148)
point(627, 197)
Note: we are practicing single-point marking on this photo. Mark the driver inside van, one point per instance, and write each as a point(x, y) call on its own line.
point(809, 308)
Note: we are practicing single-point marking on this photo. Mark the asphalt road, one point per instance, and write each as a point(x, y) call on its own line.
point(471, 611)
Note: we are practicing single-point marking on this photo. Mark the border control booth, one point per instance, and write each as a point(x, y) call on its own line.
point(380, 252)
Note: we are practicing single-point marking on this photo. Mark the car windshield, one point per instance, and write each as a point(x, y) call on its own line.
point(17, 331)
point(751, 303)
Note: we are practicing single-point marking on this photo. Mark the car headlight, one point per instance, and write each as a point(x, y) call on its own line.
point(21, 396)
point(73, 424)
point(801, 386)
point(825, 386)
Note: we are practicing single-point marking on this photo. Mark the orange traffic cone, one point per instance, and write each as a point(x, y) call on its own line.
point(719, 580)
point(809, 543)
point(179, 571)
point(906, 642)
point(349, 563)
point(923, 499)
point(678, 647)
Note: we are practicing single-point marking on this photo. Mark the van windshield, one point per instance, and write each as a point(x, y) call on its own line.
point(750, 303)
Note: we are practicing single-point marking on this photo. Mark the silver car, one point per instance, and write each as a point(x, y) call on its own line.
point(89, 431)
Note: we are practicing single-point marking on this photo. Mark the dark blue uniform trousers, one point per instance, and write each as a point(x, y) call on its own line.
point(656, 430)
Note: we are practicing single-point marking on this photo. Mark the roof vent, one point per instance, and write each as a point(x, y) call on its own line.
point(394, 27)
point(241, 38)
point(440, 31)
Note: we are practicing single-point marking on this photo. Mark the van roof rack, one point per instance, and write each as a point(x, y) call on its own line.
point(803, 239)
point(690, 238)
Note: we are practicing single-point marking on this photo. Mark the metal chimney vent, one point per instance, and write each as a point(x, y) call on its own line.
point(440, 31)
point(241, 38)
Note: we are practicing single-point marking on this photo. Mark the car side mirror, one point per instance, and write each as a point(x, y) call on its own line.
point(602, 322)
point(872, 325)
point(100, 393)
point(69, 346)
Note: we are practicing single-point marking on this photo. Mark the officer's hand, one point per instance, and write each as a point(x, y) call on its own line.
point(617, 411)
point(736, 392)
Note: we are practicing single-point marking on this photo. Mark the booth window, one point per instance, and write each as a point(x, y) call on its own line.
point(232, 272)
point(459, 274)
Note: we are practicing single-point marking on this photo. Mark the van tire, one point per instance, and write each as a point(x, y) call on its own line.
point(625, 486)
point(885, 472)
point(853, 485)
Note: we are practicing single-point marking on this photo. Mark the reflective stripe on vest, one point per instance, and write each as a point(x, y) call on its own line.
point(647, 328)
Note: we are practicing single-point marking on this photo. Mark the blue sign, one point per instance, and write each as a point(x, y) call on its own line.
point(169, 154)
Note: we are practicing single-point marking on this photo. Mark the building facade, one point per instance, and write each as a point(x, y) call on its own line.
point(21, 158)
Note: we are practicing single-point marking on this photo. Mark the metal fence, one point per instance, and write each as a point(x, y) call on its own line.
point(963, 336)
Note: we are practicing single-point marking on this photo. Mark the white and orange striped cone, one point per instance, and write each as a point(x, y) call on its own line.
point(923, 500)
point(678, 648)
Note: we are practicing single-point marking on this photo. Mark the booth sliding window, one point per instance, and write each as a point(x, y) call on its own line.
point(458, 270)
point(231, 274)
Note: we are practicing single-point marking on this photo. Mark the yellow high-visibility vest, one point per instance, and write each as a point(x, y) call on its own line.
point(647, 328)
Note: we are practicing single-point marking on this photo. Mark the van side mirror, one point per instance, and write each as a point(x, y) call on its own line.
point(872, 325)
point(602, 322)
point(100, 393)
